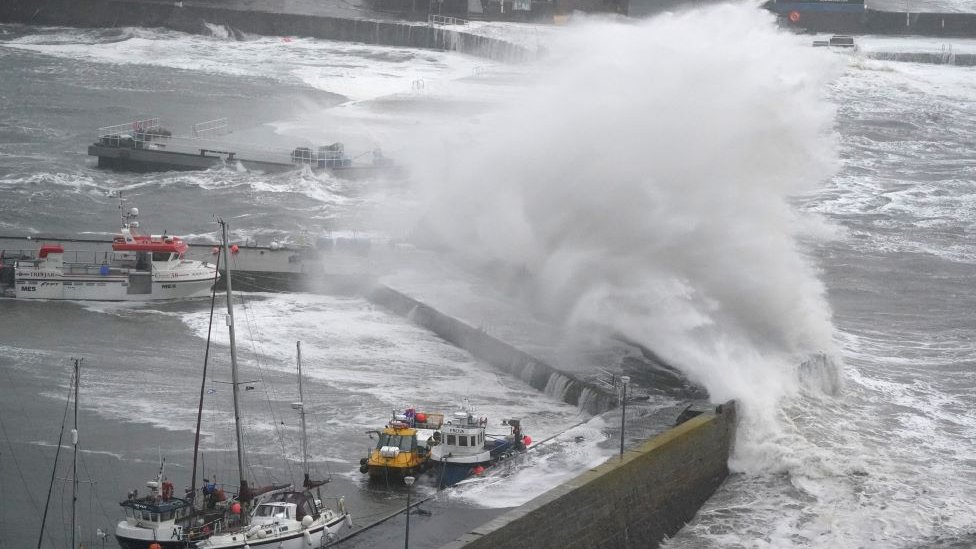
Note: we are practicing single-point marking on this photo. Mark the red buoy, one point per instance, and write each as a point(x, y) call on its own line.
point(234, 249)
point(794, 16)
point(526, 440)
point(478, 470)
point(215, 250)
point(236, 508)
point(421, 417)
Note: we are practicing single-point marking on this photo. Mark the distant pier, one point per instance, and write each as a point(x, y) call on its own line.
point(855, 17)
point(146, 146)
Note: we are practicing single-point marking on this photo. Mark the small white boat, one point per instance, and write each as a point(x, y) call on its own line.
point(139, 268)
point(290, 520)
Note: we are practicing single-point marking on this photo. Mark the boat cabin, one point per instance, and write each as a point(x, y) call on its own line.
point(284, 507)
point(394, 440)
point(408, 432)
point(462, 435)
point(143, 512)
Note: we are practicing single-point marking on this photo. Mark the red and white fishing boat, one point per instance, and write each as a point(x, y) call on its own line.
point(139, 268)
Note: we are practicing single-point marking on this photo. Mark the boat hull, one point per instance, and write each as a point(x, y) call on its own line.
point(301, 539)
point(109, 289)
point(134, 537)
point(126, 543)
point(382, 473)
point(452, 470)
point(449, 474)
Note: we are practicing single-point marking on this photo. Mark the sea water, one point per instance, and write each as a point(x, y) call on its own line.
point(788, 226)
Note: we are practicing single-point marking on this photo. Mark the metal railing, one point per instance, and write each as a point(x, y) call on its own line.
point(130, 132)
point(434, 19)
point(947, 55)
point(210, 128)
point(69, 258)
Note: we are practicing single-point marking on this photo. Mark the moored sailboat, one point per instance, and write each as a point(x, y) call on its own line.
point(291, 519)
point(278, 515)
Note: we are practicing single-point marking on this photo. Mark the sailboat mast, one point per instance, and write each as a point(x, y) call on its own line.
point(243, 495)
point(203, 385)
point(74, 464)
point(301, 413)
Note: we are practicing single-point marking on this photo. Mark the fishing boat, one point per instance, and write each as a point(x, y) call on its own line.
point(276, 515)
point(139, 268)
point(403, 447)
point(462, 447)
point(174, 522)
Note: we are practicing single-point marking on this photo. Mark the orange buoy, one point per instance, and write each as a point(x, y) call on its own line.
point(155, 546)
point(794, 16)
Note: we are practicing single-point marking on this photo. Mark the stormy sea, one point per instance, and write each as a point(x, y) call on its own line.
point(786, 225)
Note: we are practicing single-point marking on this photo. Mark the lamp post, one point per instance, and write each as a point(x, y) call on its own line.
point(624, 380)
point(406, 540)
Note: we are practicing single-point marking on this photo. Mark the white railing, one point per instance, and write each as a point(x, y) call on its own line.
point(434, 19)
point(210, 128)
point(947, 55)
point(137, 130)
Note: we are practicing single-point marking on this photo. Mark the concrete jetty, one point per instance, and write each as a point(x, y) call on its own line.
point(634, 501)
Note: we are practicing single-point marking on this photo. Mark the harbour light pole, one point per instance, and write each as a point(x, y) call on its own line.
point(406, 539)
point(624, 380)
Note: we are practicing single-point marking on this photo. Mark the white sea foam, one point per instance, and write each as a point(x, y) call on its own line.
point(351, 347)
point(919, 209)
point(352, 70)
point(545, 466)
point(45, 444)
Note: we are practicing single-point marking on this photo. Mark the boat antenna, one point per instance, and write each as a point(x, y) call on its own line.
point(242, 495)
point(74, 459)
point(122, 212)
point(203, 382)
point(300, 406)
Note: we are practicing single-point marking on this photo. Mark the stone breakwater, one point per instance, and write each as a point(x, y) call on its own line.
point(195, 19)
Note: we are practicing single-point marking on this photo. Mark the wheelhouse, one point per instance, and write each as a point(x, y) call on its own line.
point(141, 512)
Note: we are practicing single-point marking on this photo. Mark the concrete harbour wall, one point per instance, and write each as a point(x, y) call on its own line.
point(632, 502)
point(499, 354)
point(193, 19)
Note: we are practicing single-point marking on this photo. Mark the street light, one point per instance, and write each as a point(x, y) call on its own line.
point(623, 410)
point(406, 540)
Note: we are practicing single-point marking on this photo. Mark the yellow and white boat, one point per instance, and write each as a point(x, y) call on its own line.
point(403, 446)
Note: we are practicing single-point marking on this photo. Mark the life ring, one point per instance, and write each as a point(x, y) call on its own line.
point(794, 16)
